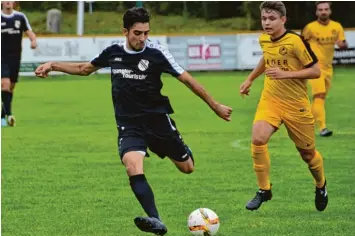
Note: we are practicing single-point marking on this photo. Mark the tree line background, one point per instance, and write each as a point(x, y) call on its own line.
point(299, 13)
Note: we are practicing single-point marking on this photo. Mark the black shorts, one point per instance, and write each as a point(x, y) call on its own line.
point(10, 68)
point(156, 132)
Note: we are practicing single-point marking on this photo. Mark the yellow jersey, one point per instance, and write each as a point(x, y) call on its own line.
point(289, 52)
point(322, 39)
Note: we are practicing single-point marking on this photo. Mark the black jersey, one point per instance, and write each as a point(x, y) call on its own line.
point(136, 78)
point(12, 28)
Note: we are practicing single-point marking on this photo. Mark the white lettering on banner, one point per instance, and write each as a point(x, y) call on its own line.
point(345, 53)
point(58, 49)
point(344, 56)
point(45, 49)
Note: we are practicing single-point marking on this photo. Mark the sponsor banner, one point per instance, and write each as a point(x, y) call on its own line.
point(204, 53)
point(344, 56)
point(75, 49)
point(249, 51)
point(194, 53)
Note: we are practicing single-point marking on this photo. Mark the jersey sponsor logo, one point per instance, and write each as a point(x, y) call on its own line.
point(127, 74)
point(10, 31)
point(17, 24)
point(283, 50)
point(143, 65)
point(3, 23)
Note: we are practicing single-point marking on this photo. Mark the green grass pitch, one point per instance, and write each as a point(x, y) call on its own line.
point(61, 174)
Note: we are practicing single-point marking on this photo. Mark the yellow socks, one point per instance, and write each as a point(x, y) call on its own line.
point(261, 164)
point(317, 169)
point(318, 110)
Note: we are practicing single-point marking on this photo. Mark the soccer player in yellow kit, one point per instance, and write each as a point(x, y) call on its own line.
point(287, 63)
point(322, 34)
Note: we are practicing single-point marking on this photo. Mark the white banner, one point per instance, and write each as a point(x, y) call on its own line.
point(75, 49)
point(249, 51)
point(218, 52)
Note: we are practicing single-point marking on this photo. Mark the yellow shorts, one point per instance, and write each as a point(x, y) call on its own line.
point(323, 83)
point(299, 123)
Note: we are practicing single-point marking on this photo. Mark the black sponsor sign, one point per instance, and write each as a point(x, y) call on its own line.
point(344, 56)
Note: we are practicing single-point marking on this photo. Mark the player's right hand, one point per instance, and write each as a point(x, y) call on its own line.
point(223, 111)
point(245, 88)
point(43, 70)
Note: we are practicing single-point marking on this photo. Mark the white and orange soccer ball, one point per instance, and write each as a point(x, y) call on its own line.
point(203, 222)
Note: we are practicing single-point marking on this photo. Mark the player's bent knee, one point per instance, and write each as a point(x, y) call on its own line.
point(259, 141)
point(5, 84)
point(307, 155)
point(133, 162)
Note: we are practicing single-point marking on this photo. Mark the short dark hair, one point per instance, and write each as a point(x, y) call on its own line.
point(275, 6)
point(134, 15)
point(320, 2)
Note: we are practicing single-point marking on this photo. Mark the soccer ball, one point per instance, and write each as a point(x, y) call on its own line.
point(203, 222)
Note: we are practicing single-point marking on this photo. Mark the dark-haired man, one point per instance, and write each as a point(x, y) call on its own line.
point(142, 113)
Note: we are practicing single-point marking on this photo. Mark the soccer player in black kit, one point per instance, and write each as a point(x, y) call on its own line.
point(13, 24)
point(141, 112)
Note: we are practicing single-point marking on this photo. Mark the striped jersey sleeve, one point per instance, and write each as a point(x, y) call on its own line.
point(170, 65)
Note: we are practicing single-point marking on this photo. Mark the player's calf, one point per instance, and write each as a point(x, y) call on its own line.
point(186, 167)
point(186, 162)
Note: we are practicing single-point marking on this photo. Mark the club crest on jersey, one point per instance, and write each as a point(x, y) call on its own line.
point(283, 50)
point(334, 32)
point(143, 65)
point(17, 24)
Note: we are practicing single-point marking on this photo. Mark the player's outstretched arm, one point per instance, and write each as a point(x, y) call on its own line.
point(258, 70)
point(312, 72)
point(84, 68)
point(221, 110)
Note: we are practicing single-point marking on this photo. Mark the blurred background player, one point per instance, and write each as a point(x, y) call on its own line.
point(287, 62)
point(142, 113)
point(13, 24)
point(322, 34)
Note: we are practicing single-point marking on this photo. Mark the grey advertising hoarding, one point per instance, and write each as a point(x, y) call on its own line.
point(204, 53)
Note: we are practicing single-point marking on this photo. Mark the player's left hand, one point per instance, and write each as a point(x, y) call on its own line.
point(276, 73)
point(342, 44)
point(33, 44)
point(223, 111)
point(43, 70)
